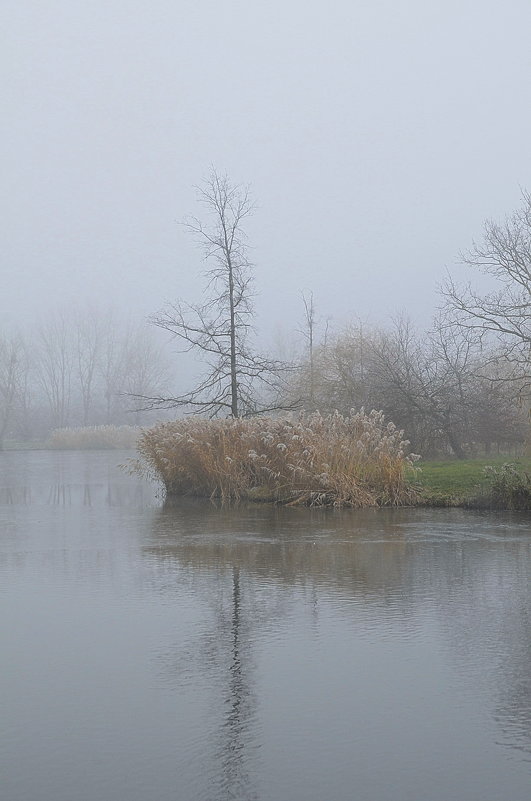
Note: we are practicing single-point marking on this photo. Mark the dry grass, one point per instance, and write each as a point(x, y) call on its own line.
point(95, 437)
point(356, 461)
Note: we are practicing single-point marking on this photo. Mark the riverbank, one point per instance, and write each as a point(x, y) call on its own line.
point(437, 483)
point(469, 482)
point(356, 461)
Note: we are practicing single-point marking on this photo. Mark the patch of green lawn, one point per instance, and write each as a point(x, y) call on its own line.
point(452, 481)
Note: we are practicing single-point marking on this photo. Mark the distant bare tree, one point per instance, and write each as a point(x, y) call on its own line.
point(308, 332)
point(24, 418)
point(346, 364)
point(503, 315)
point(145, 367)
point(220, 329)
point(434, 385)
point(55, 361)
point(415, 381)
point(87, 343)
point(109, 366)
point(13, 372)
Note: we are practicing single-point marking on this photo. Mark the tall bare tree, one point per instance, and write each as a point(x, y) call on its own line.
point(238, 379)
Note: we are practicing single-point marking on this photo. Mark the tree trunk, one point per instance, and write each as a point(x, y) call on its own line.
point(233, 370)
point(455, 446)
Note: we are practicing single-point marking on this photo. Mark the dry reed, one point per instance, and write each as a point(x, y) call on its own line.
point(95, 437)
point(357, 460)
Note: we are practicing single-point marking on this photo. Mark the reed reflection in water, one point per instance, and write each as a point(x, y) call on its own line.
point(465, 573)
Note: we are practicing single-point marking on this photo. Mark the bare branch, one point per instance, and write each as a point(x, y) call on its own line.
point(220, 329)
point(500, 318)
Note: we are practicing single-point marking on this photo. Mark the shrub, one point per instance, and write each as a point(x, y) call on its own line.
point(96, 437)
point(508, 488)
point(356, 460)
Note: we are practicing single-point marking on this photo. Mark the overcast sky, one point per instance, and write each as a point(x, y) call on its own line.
point(377, 135)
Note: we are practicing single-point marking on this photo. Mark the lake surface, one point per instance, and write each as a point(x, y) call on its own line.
point(157, 652)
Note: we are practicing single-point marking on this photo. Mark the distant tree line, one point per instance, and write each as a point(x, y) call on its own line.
point(462, 387)
point(440, 387)
point(77, 368)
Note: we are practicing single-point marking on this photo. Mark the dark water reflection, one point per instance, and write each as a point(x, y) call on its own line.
point(181, 651)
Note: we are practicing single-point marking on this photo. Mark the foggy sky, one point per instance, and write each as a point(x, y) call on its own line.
point(377, 136)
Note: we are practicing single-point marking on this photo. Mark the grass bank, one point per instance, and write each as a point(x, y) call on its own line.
point(470, 482)
point(319, 460)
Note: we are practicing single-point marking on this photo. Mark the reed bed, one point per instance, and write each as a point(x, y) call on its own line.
point(94, 437)
point(319, 460)
point(507, 487)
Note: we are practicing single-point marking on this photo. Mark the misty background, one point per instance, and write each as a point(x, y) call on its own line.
point(376, 137)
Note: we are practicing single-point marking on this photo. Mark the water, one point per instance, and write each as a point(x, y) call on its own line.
point(162, 653)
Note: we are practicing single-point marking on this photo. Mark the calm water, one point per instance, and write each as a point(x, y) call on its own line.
point(157, 653)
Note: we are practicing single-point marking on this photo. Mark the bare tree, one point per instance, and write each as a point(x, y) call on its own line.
point(309, 334)
point(13, 372)
point(502, 316)
point(87, 342)
point(220, 329)
point(55, 362)
point(145, 367)
point(111, 366)
point(25, 422)
point(434, 385)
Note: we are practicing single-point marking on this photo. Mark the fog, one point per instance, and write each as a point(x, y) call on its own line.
point(376, 137)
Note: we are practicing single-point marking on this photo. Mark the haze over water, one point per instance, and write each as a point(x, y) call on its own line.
point(186, 652)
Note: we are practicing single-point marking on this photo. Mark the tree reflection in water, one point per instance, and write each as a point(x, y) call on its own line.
point(239, 701)
point(395, 567)
point(266, 625)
